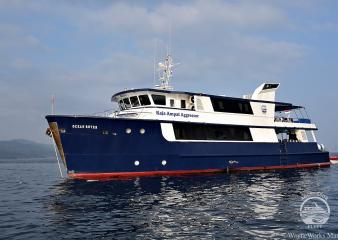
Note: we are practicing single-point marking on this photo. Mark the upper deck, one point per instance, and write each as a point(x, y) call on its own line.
point(280, 106)
point(148, 97)
point(259, 109)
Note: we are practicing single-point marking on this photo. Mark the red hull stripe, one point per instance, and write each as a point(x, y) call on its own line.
point(138, 174)
point(98, 176)
point(334, 158)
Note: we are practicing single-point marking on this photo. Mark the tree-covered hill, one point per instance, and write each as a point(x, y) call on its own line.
point(16, 149)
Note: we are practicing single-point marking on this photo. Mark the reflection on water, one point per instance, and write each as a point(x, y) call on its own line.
point(256, 205)
point(36, 204)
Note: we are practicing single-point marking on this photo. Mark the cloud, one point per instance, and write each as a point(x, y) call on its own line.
point(142, 20)
point(15, 40)
point(220, 30)
point(84, 51)
point(21, 64)
point(325, 26)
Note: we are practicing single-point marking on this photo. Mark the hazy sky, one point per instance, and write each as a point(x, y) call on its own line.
point(84, 51)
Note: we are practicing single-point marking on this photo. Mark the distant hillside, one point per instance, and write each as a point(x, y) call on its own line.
point(16, 149)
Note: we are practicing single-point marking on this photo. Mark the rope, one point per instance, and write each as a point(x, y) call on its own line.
point(57, 156)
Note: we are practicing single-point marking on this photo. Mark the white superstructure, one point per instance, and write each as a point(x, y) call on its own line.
point(268, 120)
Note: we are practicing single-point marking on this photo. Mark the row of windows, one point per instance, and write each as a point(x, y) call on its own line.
point(134, 101)
point(143, 100)
point(219, 104)
point(189, 131)
point(231, 106)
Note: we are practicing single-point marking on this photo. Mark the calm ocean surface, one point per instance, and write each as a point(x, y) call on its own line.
point(37, 204)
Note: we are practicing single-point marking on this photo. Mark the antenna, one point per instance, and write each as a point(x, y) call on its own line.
point(167, 66)
point(167, 73)
point(53, 103)
point(170, 38)
point(154, 60)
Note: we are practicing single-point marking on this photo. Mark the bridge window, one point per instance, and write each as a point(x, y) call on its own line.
point(134, 101)
point(231, 105)
point(158, 99)
point(126, 102)
point(190, 131)
point(144, 99)
point(121, 104)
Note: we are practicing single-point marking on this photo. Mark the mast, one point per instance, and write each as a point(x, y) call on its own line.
point(167, 72)
point(166, 67)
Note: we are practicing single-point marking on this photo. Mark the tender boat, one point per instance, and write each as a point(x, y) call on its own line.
point(159, 131)
point(334, 159)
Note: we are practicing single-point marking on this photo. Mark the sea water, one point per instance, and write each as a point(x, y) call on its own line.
point(35, 203)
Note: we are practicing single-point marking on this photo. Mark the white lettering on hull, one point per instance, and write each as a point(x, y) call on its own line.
point(85, 126)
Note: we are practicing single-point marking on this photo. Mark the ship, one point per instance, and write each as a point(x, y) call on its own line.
point(161, 131)
point(334, 159)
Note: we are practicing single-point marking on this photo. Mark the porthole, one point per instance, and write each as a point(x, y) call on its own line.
point(164, 162)
point(136, 163)
point(142, 131)
point(128, 131)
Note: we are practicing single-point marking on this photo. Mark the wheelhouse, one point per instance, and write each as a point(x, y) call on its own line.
point(153, 98)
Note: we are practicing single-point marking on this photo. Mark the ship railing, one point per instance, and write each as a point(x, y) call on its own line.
point(117, 114)
point(297, 115)
point(106, 113)
point(302, 120)
point(293, 120)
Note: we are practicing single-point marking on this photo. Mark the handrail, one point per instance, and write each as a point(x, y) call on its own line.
point(293, 120)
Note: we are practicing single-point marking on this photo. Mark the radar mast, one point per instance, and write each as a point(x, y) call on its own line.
point(167, 72)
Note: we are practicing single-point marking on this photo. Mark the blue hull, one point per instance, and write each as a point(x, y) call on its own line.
point(97, 145)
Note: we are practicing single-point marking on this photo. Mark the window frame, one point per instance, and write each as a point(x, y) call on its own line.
point(132, 102)
point(127, 105)
point(211, 132)
point(172, 103)
point(231, 105)
point(141, 101)
point(183, 104)
point(121, 105)
point(161, 96)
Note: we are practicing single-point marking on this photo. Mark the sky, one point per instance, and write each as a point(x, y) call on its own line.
point(84, 51)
